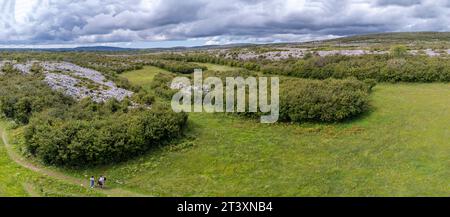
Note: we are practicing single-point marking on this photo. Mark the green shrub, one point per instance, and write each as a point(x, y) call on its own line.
point(62, 131)
point(161, 85)
point(112, 138)
point(329, 100)
point(144, 98)
point(23, 95)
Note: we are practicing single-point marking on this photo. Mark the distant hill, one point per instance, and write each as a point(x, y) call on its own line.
point(376, 38)
point(87, 49)
point(118, 49)
point(398, 36)
point(101, 48)
point(204, 47)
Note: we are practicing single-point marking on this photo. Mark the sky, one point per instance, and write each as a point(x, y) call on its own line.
point(169, 23)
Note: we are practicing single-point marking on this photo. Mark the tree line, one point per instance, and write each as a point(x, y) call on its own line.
point(395, 67)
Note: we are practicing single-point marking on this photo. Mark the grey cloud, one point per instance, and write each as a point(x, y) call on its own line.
point(71, 21)
point(398, 2)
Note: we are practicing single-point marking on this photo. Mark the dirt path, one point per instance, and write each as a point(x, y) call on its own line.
point(113, 192)
point(29, 188)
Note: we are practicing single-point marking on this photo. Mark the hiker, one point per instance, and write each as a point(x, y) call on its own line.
point(104, 181)
point(92, 182)
point(100, 181)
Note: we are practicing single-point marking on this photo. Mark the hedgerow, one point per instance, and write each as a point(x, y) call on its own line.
point(382, 68)
point(175, 66)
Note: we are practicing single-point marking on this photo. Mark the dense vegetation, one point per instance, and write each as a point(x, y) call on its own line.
point(64, 132)
point(21, 96)
point(96, 136)
point(328, 100)
point(161, 85)
point(382, 68)
point(300, 99)
point(398, 67)
point(206, 58)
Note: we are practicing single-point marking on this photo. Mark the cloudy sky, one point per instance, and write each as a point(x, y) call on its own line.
point(165, 23)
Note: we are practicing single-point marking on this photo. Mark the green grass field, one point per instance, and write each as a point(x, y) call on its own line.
point(18, 181)
point(143, 76)
point(400, 148)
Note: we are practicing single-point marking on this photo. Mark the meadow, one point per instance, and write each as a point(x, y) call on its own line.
point(143, 77)
point(15, 180)
point(400, 147)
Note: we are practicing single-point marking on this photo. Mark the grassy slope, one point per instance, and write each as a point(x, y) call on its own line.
point(18, 181)
point(401, 148)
